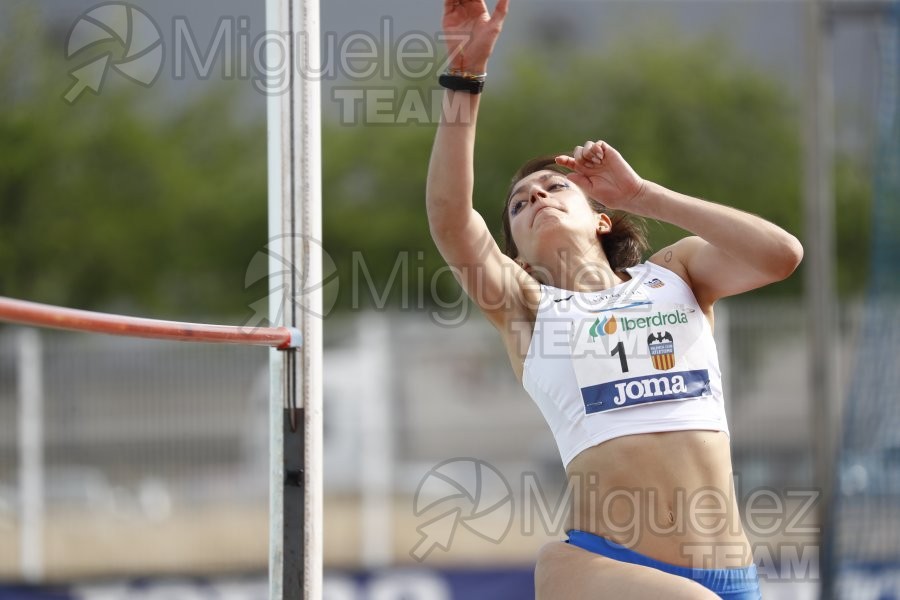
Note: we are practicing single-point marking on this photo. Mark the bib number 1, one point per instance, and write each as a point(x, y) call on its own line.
point(619, 350)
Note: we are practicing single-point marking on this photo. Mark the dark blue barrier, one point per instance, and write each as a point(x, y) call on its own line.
point(390, 584)
point(33, 593)
point(446, 584)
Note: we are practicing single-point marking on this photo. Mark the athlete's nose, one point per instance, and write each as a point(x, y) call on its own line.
point(538, 193)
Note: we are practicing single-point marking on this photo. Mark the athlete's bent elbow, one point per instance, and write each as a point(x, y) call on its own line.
point(790, 257)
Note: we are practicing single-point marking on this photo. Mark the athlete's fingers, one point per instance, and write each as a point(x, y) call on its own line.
point(566, 161)
point(588, 146)
point(579, 154)
point(587, 159)
point(450, 5)
point(500, 11)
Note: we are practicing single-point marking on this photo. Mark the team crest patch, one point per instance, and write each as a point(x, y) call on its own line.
point(662, 351)
point(655, 283)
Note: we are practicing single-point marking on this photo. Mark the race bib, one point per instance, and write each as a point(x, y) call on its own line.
point(636, 352)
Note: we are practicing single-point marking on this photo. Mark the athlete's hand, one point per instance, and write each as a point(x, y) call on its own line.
point(472, 32)
point(601, 172)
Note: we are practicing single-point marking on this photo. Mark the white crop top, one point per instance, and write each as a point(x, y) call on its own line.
point(636, 358)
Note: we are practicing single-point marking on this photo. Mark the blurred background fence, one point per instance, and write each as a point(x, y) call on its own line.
point(155, 454)
point(148, 449)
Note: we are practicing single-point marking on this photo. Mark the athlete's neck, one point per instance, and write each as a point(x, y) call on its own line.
point(580, 272)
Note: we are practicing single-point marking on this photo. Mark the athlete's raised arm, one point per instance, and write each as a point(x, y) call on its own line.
point(491, 279)
point(732, 251)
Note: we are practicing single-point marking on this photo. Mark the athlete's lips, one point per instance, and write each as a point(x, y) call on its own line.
point(540, 209)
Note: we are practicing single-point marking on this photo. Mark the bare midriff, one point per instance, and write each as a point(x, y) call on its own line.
point(669, 496)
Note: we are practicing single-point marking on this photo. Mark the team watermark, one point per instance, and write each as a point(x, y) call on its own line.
point(472, 496)
point(449, 294)
point(386, 76)
point(293, 284)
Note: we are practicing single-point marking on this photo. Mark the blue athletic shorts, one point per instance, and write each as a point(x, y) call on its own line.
point(731, 584)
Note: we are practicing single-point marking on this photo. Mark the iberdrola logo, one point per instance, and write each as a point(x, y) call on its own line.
point(607, 326)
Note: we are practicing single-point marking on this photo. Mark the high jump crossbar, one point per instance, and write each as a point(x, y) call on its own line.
point(22, 312)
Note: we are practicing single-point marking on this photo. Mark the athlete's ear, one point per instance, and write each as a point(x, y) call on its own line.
point(525, 266)
point(604, 224)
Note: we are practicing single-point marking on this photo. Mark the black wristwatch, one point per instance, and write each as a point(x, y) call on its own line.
point(458, 83)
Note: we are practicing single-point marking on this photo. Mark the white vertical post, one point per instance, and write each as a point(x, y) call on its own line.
point(277, 176)
point(295, 230)
point(819, 243)
point(31, 455)
point(376, 460)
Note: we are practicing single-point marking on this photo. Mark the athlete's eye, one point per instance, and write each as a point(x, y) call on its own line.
point(557, 186)
point(516, 206)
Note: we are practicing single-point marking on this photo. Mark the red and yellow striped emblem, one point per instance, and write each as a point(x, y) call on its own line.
point(662, 351)
point(664, 362)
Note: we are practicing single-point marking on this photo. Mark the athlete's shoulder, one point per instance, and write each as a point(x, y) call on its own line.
point(676, 257)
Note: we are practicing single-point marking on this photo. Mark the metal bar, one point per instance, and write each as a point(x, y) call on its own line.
point(55, 317)
point(819, 269)
point(31, 455)
point(307, 164)
point(278, 182)
point(294, 129)
point(377, 451)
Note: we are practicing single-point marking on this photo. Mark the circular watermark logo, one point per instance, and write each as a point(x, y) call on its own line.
point(271, 264)
point(461, 491)
point(137, 40)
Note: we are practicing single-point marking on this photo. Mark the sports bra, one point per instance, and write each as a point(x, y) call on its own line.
point(636, 358)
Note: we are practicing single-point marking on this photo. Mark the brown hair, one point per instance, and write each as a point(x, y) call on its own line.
point(625, 243)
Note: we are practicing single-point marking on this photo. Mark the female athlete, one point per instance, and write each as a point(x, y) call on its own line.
point(617, 353)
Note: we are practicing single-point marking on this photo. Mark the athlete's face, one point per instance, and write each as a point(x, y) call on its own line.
point(548, 212)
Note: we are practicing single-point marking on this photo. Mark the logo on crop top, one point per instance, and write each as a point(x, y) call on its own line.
point(655, 283)
point(676, 317)
point(665, 387)
point(682, 385)
point(662, 351)
point(608, 326)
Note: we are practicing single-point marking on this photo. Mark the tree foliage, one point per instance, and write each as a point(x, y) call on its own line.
point(115, 203)
point(690, 117)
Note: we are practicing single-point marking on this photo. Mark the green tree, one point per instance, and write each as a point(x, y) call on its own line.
point(690, 117)
point(116, 203)
point(111, 203)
